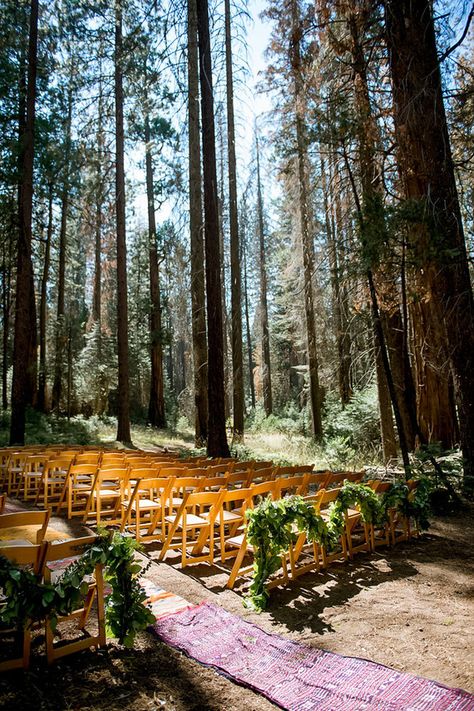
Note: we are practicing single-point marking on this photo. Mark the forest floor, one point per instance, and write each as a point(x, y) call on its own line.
point(410, 608)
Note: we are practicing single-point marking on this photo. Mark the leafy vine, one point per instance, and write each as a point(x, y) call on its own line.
point(272, 526)
point(29, 600)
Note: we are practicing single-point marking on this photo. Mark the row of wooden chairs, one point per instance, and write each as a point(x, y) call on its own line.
point(47, 560)
point(210, 524)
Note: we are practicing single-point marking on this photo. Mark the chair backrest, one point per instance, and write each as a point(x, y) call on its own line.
point(72, 548)
point(27, 555)
point(317, 480)
point(261, 490)
point(213, 483)
point(326, 497)
point(293, 470)
point(111, 478)
point(87, 458)
point(37, 520)
point(58, 464)
point(237, 498)
point(237, 478)
point(36, 462)
point(142, 472)
point(290, 485)
point(261, 475)
point(171, 471)
point(204, 501)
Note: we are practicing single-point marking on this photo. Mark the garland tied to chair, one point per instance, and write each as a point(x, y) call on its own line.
point(29, 600)
point(273, 525)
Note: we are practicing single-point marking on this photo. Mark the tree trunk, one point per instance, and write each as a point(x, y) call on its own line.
point(217, 441)
point(25, 315)
point(43, 306)
point(235, 271)
point(304, 215)
point(97, 291)
point(198, 305)
point(251, 364)
point(123, 419)
point(343, 363)
point(61, 335)
point(265, 361)
point(387, 430)
point(156, 407)
point(428, 177)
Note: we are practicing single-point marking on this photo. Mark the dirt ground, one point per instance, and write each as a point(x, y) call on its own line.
point(411, 608)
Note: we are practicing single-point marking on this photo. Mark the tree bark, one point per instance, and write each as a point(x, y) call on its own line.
point(43, 305)
point(196, 227)
point(61, 335)
point(217, 441)
point(427, 172)
point(304, 215)
point(235, 271)
point(265, 364)
point(156, 407)
point(123, 419)
point(25, 313)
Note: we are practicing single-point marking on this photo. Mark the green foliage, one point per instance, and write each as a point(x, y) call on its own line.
point(28, 600)
point(351, 433)
point(272, 526)
point(270, 530)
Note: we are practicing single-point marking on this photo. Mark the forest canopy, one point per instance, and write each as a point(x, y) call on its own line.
point(182, 240)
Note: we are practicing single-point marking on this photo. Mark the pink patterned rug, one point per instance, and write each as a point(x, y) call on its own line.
point(298, 677)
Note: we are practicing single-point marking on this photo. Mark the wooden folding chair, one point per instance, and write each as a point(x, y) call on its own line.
point(77, 488)
point(380, 532)
point(305, 555)
point(326, 498)
point(95, 592)
point(290, 485)
point(23, 528)
point(14, 469)
point(106, 495)
point(146, 508)
point(240, 543)
point(29, 556)
point(317, 481)
point(3, 498)
point(196, 531)
point(29, 479)
point(231, 518)
point(53, 480)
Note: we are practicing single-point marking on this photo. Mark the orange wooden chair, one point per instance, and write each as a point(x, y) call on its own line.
point(107, 493)
point(95, 593)
point(146, 508)
point(195, 532)
point(23, 528)
point(32, 557)
point(53, 479)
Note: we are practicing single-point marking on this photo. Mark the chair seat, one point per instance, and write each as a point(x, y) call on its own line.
point(227, 516)
point(191, 520)
point(107, 493)
point(237, 541)
point(15, 542)
point(144, 504)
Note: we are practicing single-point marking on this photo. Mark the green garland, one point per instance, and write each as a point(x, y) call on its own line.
point(29, 600)
point(270, 530)
point(273, 525)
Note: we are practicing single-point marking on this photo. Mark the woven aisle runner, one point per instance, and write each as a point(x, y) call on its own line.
point(298, 677)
